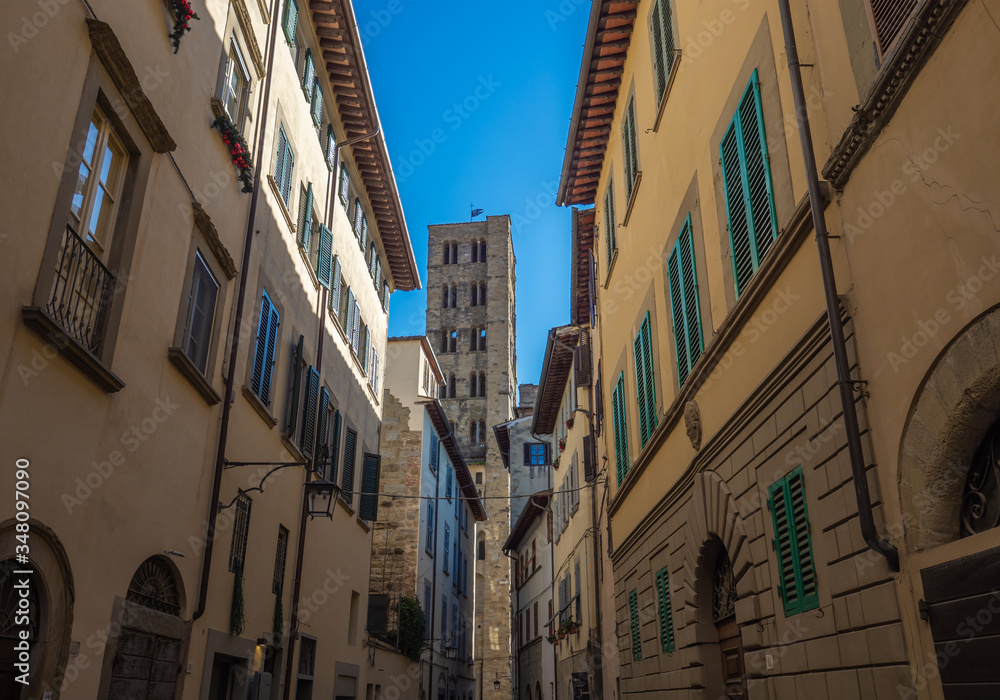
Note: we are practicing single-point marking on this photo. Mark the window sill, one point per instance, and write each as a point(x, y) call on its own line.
point(666, 91)
point(259, 406)
point(348, 508)
point(48, 328)
point(363, 524)
point(293, 449)
point(631, 200)
point(181, 361)
point(281, 203)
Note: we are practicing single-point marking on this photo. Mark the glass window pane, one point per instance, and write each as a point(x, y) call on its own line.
point(200, 314)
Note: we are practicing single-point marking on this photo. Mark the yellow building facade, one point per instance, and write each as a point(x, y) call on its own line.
point(212, 216)
point(742, 481)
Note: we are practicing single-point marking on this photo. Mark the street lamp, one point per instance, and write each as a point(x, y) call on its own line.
point(319, 498)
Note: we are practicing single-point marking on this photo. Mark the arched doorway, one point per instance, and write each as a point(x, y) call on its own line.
point(50, 592)
point(724, 619)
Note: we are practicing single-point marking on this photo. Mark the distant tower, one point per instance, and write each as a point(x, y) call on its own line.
point(471, 321)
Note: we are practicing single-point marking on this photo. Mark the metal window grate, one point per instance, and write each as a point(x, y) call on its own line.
point(153, 586)
point(280, 554)
point(241, 528)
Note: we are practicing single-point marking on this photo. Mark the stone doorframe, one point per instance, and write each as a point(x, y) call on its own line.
point(957, 402)
point(713, 522)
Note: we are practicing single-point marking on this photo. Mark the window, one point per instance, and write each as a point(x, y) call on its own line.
point(666, 613)
point(451, 253)
point(444, 296)
point(887, 20)
point(479, 477)
point(284, 163)
point(633, 613)
point(797, 584)
point(444, 618)
point(477, 339)
point(621, 428)
point(330, 147)
point(435, 453)
point(237, 85)
point(447, 548)
point(447, 487)
point(453, 341)
point(241, 530)
point(482, 294)
point(429, 544)
point(450, 388)
point(474, 294)
point(264, 352)
point(280, 554)
point(307, 439)
point(350, 456)
point(328, 436)
point(371, 468)
point(308, 76)
point(663, 46)
point(453, 296)
point(579, 590)
point(345, 186)
point(359, 216)
point(199, 314)
point(642, 349)
point(746, 177)
point(629, 150)
point(481, 547)
point(683, 282)
point(535, 634)
point(536, 454)
point(427, 610)
point(290, 20)
point(316, 107)
point(477, 384)
point(610, 232)
point(482, 251)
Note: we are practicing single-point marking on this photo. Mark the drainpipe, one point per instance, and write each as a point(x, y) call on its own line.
point(598, 667)
point(875, 541)
point(517, 621)
point(434, 575)
point(227, 402)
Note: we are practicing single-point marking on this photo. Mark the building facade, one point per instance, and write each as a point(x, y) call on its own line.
point(530, 545)
point(206, 315)
point(424, 548)
point(471, 317)
point(792, 507)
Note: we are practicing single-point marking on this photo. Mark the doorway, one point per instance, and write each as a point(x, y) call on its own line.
point(724, 617)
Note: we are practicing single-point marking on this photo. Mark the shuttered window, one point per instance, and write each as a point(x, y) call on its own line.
point(336, 281)
point(630, 149)
point(371, 469)
point(290, 20)
point(610, 232)
point(633, 614)
point(427, 611)
point(666, 613)
point(792, 543)
point(331, 474)
point(683, 280)
point(429, 544)
point(642, 350)
point(887, 19)
point(350, 456)
point(435, 453)
point(263, 360)
point(447, 548)
point(621, 427)
point(331, 147)
point(746, 177)
point(579, 592)
point(317, 103)
point(284, 162)
point(307, 440)
point(324, 257)
point(663, 45)
point(306, 216)
point(345, 185)
point(308, 76)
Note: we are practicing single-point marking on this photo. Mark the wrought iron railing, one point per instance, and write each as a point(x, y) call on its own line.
point(81, 292)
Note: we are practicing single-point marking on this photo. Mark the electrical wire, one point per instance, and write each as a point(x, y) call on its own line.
point(481, 498)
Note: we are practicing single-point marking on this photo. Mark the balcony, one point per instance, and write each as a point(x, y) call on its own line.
point(75, 315)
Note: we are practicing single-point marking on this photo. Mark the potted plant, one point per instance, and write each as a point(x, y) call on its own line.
point(569, 423)
point(562, 630)
point(562, 444)
point(555, 463)
point(553, 639)
point(572, 626)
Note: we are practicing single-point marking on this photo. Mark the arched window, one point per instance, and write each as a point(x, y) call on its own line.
point(482, 251)
point(454, 253)
point(475, 251)
point(474, 294)
point(481, 385)
point(473, 384)
point(444, 296)
point(447, 253)
point(444, 340)
point(443, 391)
point(482, 339)
point(473, 437)
point(454, 296)
point(481, 547)
point(481, 433)
point(473, 339)
point(482, 294)
point(154, 586)
point(453, 341)
point(981, 497)
point(451, 385)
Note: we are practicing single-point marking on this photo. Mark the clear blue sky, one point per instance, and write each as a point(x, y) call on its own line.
point(504, 154)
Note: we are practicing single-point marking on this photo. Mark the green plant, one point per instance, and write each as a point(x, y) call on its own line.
point(237, 616)
point(412, 625)
point(279, 621)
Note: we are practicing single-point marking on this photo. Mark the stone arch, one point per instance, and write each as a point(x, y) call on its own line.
point(956, 404)
point(56, 597)
point(157, 584)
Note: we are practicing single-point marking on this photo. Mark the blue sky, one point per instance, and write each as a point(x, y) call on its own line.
point(512, 69)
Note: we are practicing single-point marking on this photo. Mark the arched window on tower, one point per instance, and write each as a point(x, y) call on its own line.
point(482, 294)
point(482, 250)
point(444, 296)
point(454, 253)
point(473, 384)
point(473, 339)
point(473, 437)
point(481, 547)
point(482, 339)
point(481, 384)
point(474, 294)
point(451, 385)
point(453, 341)
point(444, 340)
point(447, 253)
point(475, 251)
point(481, 433)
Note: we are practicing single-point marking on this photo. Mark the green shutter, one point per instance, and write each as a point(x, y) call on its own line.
point(792, 543)
point(317, 103)
point(610, 233)
point(621, 428)
point(666, 612)
point(279, 156)
point(683, 282)
point(324, 262)
point(308, 438)
point(368, 508)
point(308, 76)
point(323, 420)
point(306, 220)
point(335, 283)
point(746, 176)
point(633, 612)
point(335, 445)
point(345, 184)
point(663, 49)
point(267, 338)
point(642, 349)
point(331, 147)
point(290, 20)
point(285, 183)
point(630, 149)
point(350, 455)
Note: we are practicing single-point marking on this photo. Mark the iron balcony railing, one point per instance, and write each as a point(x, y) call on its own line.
point(81, 292)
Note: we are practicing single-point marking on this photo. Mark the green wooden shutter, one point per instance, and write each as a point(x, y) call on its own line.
point(682, 278)
point(308, 439)
point(621, 427)
point(666, 612)
point(746, 175)
point(324, 262)
point(323, 422)
point(317, 103)
point(306, 219)
point(279, 156)
point(296, 388)
point(642, 348)
point(286, 175)
point(331, 147)
point(368, 508)
point(345, 185)
point(435, 453)
point(792, 543)
point(335, 445)
point(308, 76)
point(610, 233)
point(356, 329)
point(677, 310)
point(335, 280)
point(447, 547)
point(659, 64)
point(363, 232)
point(290, 20)
point(633, 613)
point(267, 338)
point(350, 455)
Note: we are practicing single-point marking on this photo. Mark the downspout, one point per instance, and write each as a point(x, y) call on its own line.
point(875, 541)
point(434, 575)
point(515, 691)
point(227, 402)
point(598, 667)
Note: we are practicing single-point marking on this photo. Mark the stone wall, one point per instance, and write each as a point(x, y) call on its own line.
point(498, 361)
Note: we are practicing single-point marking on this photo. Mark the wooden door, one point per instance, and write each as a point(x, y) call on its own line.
point(731, 647)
